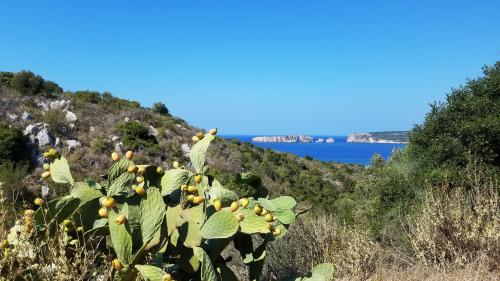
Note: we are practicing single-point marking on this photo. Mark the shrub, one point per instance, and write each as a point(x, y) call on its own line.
point(56, 121)
point(99, 146)
point(159, 108)
point(27, 83)
point(160, 224)
point(12, 145)
point(467, 123)
point(135, 135)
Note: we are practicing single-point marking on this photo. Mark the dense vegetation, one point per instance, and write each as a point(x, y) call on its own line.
point(433, 206)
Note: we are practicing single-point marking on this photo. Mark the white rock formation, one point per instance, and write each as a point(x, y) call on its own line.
point(71, 117)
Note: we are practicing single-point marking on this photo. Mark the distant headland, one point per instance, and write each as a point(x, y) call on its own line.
point(372, 137)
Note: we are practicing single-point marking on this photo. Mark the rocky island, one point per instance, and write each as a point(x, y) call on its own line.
point(379, 137)
point(289, 139)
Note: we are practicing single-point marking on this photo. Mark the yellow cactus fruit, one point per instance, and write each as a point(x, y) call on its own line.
point(264, 212)
point(200, 135)
point(244, 202)
point(67, 229)
point(139, 179)
point(191, 189)
point(45, 174)
point(270, 226)
point(198, 178)
point(132, 169)
point(269, 218)
point(234, 206)
point(195, 139)
point(115, 156)
point(121, 219)
point(109, 202)
point(213, 131)
point(176, 164)
point(103, 212)
point(198, 199)
point(167, 277)
point(257, 209)
point(141, 170)
point(276, 231)
point(117, 264)
point(184, 187)
point(5, 243)
point(159, 170)
point(79, 229)
point(39, 201)
point(29, 213)
point(129, 155)
point(67, 222)
point(240, 217)
point(46, 154)
point(217, 205)
point(191, 197)
point(46, 166)
point(139, 190)
point(52, 152)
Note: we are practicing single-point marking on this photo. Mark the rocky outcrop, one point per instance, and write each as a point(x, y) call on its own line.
point(330, 140)
point(71, 117)
point(369, 138)
point(72, 144)
point(39, 134)
point(152, 131)
point(288, 139)
point(26, 116)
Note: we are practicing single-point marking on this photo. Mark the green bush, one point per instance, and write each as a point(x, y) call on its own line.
point(135, 135)
point(12, 145)
point(27, 83)
point(159, 108)
point(467, 123)
point(98, 146)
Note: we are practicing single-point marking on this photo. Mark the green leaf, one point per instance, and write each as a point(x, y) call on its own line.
point(222, 224)
point(284, 216)
point(121, 184)
point(59, 171)
point(120, 238)
point(284, 202)
point(267, 204)
point(173, 179)
point(150, 273)
point(198, 152)
point(152, 213)
point(252, 223)
point(208, 272)
point(322, 272)
point(84, 192)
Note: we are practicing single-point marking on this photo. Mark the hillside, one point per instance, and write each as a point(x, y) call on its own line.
point(87, 126)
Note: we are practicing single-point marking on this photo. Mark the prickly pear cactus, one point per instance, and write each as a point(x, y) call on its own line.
point(162, 225)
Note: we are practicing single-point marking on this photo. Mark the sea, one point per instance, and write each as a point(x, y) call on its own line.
point(339, 151)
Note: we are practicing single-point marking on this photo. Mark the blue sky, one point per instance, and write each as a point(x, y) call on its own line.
point(259, 67)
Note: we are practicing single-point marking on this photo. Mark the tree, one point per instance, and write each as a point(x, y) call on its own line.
point(12, 145)
point(27, 83)
point(468, 123)
point(160, 108)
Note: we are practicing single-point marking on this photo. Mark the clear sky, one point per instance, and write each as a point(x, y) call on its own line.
point(259, 67)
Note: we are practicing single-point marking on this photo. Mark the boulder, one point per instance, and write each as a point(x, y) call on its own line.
point(119, 147)
point(185, 149)
point(39, 134)
point(12, 116)
point(152, 131)
point(62, 105)
point(72, 144)
point(44, 138)
point(71, 117)
point(26, 116)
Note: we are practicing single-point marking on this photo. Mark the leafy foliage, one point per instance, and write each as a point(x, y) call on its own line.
point(135, 135)
point(12, 145)
point(160, 108)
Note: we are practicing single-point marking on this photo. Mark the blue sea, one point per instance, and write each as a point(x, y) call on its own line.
point(339, 151)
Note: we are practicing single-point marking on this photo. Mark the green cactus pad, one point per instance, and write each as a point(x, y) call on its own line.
point(243, 243)
point(252, 223)
point(59, 171)
point(58, 209)
point(121, 184)
point(189, 232)
point(208, 272)
point(225, 195)
point(173, 179)
point(120, 238)
point(285, 216)
point(198, 151)
point(267, 204)
point(84, 192)
point(195, 214)
point(150, 273)
point(152, 213)
point(284, 202)
point(222, 224)
point(118, 168)
point(321, 272)
point(173, 216)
